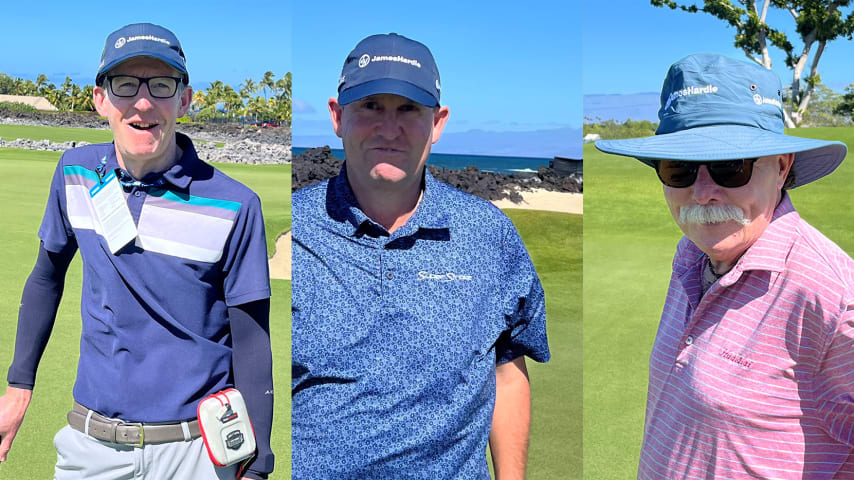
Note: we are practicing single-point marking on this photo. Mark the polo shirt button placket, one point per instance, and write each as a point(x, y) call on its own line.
point(389, 275)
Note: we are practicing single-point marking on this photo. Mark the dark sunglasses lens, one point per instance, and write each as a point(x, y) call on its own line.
point(124, 86)
point(677, 174)
point(731, 174)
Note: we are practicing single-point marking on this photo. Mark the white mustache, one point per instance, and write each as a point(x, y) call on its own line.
point(707, 214)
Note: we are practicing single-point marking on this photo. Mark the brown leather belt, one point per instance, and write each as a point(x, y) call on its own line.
point(137, 434)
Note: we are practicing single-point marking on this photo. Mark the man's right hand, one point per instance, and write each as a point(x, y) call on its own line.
point(13, 406)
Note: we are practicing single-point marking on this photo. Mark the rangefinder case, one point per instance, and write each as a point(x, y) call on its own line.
point(226, 429)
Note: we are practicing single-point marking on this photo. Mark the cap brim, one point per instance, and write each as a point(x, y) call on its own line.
point(387, 85)
point(813, 158)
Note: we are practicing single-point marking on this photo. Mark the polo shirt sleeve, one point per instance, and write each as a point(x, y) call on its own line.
point(524, 304)
point(55, 231)
point(245, 269)
point(834, 382)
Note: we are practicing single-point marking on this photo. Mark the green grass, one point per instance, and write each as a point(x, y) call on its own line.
point(275, 199)
point(55, 134)
point(629, 242)
point(273, 184)
point(26, 177)
point(554, 243)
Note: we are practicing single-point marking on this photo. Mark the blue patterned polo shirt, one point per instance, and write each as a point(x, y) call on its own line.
point(155, 337)
point(396, 337)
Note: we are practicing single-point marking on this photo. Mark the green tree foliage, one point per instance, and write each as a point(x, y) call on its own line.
point(846, 103)
point(817, 22)
point(612, 129)
point(823, 109)
point(233, 105)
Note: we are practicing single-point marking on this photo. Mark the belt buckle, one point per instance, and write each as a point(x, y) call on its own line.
point(141, 434)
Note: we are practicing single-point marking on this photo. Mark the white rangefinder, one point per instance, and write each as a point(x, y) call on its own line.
point(226, 429)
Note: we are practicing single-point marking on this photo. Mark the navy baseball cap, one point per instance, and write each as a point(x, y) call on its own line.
point(717, 108)
point(142, 40)
point(390, 64)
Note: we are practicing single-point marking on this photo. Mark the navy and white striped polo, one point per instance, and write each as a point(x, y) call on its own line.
point(155, 336)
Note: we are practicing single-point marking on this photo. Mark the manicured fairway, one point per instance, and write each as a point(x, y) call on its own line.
point(554, 242)
point(55, 134)
point(629, 242)
point(25, 180)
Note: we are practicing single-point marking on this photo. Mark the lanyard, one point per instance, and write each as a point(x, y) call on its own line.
point(125, 178)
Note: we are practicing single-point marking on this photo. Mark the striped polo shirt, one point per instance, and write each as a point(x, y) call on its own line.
point(755, 379)
point(155, 334)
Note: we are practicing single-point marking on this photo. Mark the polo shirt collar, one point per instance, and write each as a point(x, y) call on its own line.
point(179, 174)
point(770, 250)
point(429, 213)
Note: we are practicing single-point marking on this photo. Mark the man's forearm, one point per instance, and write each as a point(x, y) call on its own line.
point(511, 420)
point(39, 304)
point(253, 374)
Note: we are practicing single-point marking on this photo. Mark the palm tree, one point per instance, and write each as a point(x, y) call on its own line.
point(84, 99)
point(267, 82)
point(198, 99)
point(41, 82)
point(214, 93)
point(249, 87)
point(232, 100)
point(257, 107)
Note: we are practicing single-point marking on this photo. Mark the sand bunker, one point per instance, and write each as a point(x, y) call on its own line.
point(280, 264)
point(547, 201)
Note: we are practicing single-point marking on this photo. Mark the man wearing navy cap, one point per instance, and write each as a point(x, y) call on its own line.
point(752, 370)
point(414, 303)
point(175, 301)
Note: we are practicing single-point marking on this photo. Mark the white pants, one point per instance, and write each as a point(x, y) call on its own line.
point(79, 456)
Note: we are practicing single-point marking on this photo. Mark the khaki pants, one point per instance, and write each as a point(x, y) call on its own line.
point(79, 456)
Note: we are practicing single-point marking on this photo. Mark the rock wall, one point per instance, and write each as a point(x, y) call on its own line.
point(249, 145)
point(318, 164)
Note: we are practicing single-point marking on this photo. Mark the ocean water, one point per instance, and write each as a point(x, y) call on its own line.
point(505, 165)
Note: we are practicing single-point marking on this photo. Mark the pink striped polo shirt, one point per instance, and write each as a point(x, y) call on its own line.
point(756, 378)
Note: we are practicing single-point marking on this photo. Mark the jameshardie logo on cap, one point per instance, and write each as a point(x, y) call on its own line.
point(142, 40)
point(717, 108)
point(390, 64)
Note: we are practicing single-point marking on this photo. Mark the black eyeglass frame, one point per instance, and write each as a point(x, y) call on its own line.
point(145, 80)
point(723, 179)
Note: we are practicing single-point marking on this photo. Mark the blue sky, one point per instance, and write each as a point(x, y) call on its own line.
point(628, 45)
point(222, 40)
point(506, 66)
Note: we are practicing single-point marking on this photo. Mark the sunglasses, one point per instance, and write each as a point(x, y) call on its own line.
point(726, 173)
point(128, 85)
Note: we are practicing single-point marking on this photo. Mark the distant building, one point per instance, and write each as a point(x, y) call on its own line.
point(567, 166)
point(592, 137)
point(39, 103)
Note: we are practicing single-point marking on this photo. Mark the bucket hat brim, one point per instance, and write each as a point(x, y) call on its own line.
point(813, 158)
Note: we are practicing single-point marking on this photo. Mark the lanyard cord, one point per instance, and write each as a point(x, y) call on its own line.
point(125, 179)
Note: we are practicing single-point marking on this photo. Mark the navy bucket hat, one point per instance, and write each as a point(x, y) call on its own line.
point(393, 64)
point(717, 108)
point(142, 40)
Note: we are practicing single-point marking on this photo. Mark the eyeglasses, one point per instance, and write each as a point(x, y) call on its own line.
point(128, 85)
point(726, 173)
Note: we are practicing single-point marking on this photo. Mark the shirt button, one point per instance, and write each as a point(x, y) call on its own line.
point(137, 193)
point(389, 275)
point(689, 340)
